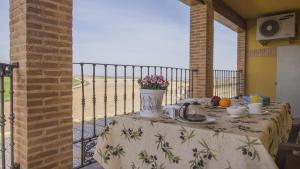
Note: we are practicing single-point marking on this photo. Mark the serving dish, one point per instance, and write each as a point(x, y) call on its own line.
point(236, 111)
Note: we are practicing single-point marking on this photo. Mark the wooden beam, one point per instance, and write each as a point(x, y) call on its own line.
point(225, 21)
point(193, 2)
point(226, 15)
point(203, 2)
point(223, 9)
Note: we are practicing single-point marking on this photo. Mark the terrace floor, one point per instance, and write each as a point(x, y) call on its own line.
point(88, 132)
point(93, 166)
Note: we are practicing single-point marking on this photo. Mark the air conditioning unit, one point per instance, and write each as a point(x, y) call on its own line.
point(281, 26)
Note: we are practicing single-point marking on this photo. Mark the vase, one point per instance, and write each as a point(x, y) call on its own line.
point(151, 103)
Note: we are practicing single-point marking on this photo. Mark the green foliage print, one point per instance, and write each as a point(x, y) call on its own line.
point(150, 160)
point(131, 134)
point(185, 135)
point(246, 129)
point(133, 166)
point(216, 130)
point(201, 155)
point(111, 151)
point(106, 131)
point(248, 148)
point(113, 123)
point(166, 148)
point(228, 165)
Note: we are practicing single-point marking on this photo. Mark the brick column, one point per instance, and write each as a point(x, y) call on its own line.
point(41, 41)
point(201, 49)
point(241, 59)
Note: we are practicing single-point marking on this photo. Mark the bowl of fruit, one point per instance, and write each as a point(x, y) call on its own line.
point(215, 100)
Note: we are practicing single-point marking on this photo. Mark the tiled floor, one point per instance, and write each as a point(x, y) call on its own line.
point(93, 166)
point(88, 132)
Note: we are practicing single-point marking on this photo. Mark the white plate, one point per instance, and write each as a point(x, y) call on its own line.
point(236, 115)
point(263, 113)
point(207, 121)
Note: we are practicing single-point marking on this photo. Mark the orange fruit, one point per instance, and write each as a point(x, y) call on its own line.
point(225, 102)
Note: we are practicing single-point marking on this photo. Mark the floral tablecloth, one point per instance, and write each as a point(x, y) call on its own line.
point(132, 142)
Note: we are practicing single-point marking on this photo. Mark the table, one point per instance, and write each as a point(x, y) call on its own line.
point(132, 142)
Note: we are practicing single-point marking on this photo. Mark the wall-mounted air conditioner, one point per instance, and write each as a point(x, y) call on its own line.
point(281, 26)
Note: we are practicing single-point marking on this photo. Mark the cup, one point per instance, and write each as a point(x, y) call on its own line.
point(171, 111)
point(255, 99)
point(255, 108)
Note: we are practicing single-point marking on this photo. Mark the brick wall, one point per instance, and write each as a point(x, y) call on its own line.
point(263, 52)
point(41, 41)
point(17, 51)
point(241, 59)
point(201, 49)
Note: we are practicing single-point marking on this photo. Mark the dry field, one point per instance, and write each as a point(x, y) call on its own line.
point(99, 94)
point(110, 106)
point(132, 100)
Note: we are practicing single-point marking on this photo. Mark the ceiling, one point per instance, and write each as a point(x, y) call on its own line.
point(249, 9)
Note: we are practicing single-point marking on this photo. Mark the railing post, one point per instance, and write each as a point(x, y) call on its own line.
point(105, 95)
point(238, 83)
point(94, 100)
point(82, 114)
point(116, 90)
point(141, 77)
point(2, 118)
point(148, 70)
point(133, 93)
point(192, 87)
point(185, 78)
point(171, 86)
point(166, 100)
point(125, 97)
point(12, 118)
point(176, 85)
point(6, 70)
point(180, 97)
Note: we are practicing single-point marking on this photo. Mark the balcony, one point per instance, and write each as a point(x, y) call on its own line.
point(53, 110)
point(102, 91)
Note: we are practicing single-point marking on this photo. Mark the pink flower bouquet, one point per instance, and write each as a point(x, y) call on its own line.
point(153, 82)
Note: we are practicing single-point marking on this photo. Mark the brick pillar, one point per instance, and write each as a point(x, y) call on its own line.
point(41, 41)
point(201, 49)
point(241, 59)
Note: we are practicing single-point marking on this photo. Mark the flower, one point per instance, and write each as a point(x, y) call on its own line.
point(154, 82)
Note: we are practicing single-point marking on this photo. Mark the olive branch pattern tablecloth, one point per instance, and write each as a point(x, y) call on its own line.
point(132, 142)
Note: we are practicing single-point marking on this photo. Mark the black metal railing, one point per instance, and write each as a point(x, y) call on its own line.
point(104, 91)
point(7, 138)
point(108, 90)
point(226, 83)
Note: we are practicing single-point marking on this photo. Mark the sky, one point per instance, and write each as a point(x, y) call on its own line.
point(147, 32)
